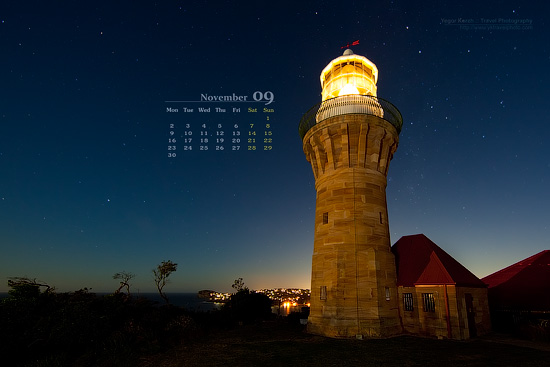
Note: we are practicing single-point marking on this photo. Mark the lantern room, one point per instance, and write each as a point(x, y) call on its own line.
point(349, 74)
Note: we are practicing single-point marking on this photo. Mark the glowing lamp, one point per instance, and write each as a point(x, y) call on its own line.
point(348, 89)
point(349, 74)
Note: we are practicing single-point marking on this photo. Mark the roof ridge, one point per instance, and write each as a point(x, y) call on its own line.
point(507, 273)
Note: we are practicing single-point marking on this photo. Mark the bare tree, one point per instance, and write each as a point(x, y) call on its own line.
point(239, 286)
point(161, 273)
point(15, 282)
point(124, 278)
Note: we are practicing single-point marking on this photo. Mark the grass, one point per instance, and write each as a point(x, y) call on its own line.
point(283, 344)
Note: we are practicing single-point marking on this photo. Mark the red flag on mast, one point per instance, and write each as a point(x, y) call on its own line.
point(354, 43)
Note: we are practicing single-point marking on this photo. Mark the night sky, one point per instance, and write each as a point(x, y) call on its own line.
point(87, 189)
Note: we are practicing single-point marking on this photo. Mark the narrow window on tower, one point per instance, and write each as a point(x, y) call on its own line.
point(325, 218)
point(387, 294)
point(381, 221)
point(323, 294)
point(408, 301)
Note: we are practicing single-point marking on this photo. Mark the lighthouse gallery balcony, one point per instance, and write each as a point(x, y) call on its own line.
point(351, 104)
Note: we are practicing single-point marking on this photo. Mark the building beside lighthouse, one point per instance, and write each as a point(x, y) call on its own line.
point(438, 296)
point(349, 139)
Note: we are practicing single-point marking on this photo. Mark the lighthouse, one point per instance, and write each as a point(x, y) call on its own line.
point(349, 139)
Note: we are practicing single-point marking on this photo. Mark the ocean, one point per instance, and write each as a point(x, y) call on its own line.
point(189, 301)
point(192, 302)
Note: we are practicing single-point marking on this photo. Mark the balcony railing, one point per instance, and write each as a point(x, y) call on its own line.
point(351, 104)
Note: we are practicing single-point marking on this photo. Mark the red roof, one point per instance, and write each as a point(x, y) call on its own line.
point(524, 285)
point(419, 261)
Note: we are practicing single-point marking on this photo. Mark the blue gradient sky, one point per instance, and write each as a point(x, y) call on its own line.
point(86, 189)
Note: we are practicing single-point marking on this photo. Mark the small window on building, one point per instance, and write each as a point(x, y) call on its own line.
point(387, 294)
point(323, 294)
point(428, 302)
point(381, 221)
point(325, 218)
point(408, 301)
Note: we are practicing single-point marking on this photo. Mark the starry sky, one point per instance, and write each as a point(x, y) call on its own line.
point(87, 189)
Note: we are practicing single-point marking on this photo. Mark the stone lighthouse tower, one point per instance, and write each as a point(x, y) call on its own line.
point(349, 138)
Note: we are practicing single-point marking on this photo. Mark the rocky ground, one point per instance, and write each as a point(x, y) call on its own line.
point(283, 344)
